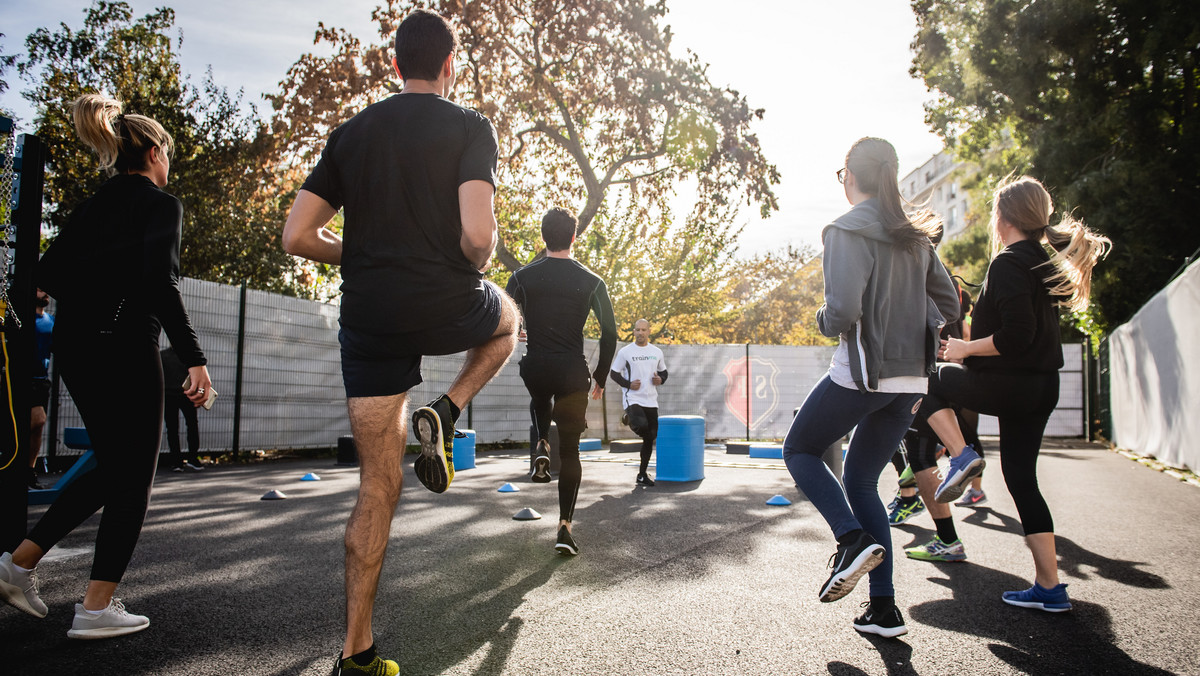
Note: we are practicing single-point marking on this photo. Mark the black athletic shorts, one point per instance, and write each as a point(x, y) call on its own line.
point(380, 365)
point(41, 393)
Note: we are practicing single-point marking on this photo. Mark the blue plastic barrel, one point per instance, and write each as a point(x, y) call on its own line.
point(680, 448)
point(464, 450)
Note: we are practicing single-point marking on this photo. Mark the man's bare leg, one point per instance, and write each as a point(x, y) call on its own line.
point(927, 483)
point(485, 361)
point(945, 424)
point(380, 433)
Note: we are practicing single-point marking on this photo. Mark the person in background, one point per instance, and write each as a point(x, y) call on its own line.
point(176, 402)
point(639, 369)
point(44, 328)
point(556, 294)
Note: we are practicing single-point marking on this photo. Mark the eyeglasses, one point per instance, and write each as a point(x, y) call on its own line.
point(841, 174)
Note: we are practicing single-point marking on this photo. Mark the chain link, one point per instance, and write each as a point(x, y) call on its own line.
point(6, 198)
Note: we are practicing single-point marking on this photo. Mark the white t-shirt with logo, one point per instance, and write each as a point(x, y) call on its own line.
point(639, 363)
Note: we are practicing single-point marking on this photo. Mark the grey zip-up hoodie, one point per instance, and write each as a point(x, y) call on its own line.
point(886, 303)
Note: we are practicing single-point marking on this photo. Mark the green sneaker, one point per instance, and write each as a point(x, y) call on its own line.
point(905, 510)
point(376, 667)
point(434, 428)
point(936, 550)
point(907, 478)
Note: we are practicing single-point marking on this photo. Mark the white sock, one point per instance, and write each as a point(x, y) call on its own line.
point(95, 613)
point(24, 570)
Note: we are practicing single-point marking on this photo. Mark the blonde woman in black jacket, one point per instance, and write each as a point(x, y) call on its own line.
point(1010, 367)
point(114, 270)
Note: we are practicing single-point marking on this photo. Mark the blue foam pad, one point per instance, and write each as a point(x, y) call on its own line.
point(766, 451)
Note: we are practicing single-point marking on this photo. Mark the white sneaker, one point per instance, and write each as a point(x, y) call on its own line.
point(18, 589)
point(114, 621)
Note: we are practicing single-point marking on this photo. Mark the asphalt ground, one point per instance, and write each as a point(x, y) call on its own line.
point(682, 578)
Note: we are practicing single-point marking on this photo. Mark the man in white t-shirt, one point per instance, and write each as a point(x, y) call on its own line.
point(639, 369)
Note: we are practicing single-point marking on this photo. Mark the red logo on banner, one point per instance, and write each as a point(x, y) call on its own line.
point(762, 397)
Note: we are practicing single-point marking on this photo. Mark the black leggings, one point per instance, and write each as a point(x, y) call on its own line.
point(174, 405)
point(558, 392)
point(1022, 402)
point(643, 420)
point(117, 385)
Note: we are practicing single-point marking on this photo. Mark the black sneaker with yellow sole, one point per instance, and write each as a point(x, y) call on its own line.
point(434, 428)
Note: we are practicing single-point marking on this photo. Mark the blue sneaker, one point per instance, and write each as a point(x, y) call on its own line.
point(965, 467)
point(1050, 600)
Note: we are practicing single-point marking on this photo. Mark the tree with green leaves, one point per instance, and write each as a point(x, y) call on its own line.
point(223, 169)
point(1099, 99)
point(587, 101)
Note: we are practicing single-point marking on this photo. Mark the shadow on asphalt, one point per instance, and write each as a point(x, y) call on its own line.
point(1030, 641)
point(895, 653)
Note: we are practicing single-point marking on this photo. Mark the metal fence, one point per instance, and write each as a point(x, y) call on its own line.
point(292, 395)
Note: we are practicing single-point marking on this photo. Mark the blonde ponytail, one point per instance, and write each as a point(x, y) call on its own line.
point(1077, 250)
point(119, 141)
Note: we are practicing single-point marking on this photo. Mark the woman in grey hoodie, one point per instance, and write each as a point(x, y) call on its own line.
point(886, 297)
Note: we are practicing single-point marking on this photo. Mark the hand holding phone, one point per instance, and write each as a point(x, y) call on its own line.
point(208, 400)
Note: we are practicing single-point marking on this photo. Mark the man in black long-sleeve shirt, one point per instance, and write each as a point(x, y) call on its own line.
point(556, 294)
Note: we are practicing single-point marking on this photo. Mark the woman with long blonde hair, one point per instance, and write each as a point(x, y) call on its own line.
point(114, 270)
point(1009, 368)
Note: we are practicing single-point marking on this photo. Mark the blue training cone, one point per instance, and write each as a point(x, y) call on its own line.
point(507, 488)
point(310, 477)
point(779, 500)
point(273, 495)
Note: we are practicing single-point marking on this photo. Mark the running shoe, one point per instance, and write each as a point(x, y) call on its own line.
point(20, 589)
point(972, 498)
point(905, 510)
point(1050, 600)
point(907, 478)
point(965, 467)
point(936, 550)
point(34, 484)
point(435, 430)
point(541, 464)
point(566, 544)
point(114, 621)
point(644, 479)
point(376, 667)
point(887, 623)
point(849, 563)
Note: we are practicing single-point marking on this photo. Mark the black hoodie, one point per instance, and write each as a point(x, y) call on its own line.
point(1016, 309)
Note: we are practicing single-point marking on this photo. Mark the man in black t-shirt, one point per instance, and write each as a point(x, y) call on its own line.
point(414, 175)
point(556, 294)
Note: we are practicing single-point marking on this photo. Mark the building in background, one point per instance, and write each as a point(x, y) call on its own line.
point(937, 184)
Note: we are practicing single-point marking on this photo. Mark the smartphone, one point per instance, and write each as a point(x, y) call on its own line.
point(212, 393)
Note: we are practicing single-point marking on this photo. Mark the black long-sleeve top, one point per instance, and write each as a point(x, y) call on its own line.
point(555, 296)
point(1016, 309)
point(115, 267)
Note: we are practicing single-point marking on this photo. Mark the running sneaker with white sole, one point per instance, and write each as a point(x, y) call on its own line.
point(888, 623)
point(541, 464)
point(1053, 600)
point(849, 563)
point(114, 621)
point(434, 428)
point(936, 550)
point(972, 498)
point(965, 467)
point(905, 510)
point(20, 589)
point(566, 544)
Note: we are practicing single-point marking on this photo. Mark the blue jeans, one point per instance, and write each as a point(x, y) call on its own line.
point(829, 412)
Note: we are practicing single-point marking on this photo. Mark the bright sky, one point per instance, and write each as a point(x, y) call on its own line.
point(827, 73)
